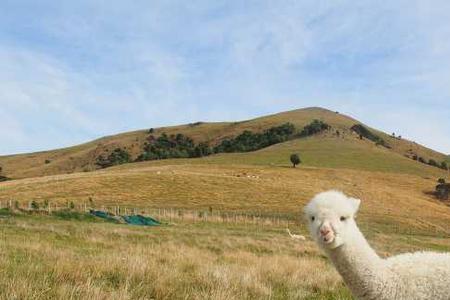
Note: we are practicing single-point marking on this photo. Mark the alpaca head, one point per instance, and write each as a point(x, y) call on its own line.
point(330, 216)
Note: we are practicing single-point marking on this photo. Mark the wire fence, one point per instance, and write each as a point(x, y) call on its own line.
point(169, 215)
point(369, 223)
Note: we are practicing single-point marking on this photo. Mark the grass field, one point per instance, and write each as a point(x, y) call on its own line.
point(239, 187)
point(50, 257)
point(325, 151)
point(43, 257)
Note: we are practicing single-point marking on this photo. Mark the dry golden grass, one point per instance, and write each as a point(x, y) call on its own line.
point(388, 198)
point(43, 257)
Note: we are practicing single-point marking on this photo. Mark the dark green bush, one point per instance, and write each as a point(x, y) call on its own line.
point(314, 127)
point(173, 146)
point(249, 141)
point(117, 157)
point(432, 162)
point(295, 159)
point(364, 132)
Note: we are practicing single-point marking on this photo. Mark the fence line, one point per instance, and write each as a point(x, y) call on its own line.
point(166, 214)
point(260, 218)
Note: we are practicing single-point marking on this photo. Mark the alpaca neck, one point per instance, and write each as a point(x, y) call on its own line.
point(360, 266)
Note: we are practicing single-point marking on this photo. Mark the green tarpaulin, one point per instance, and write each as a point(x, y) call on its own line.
point(133, 220)
point(141, 220)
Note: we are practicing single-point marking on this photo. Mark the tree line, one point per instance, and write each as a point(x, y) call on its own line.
point(181, 146)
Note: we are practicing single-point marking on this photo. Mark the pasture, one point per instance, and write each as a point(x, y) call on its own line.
point(76, 256)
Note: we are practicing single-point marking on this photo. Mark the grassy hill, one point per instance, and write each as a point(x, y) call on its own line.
point(331, 152)
point(395, 189)
point(50, 256)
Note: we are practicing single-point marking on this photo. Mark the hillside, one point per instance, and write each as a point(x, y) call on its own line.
point(395, 190)
point(329, 151)
point(388, 199)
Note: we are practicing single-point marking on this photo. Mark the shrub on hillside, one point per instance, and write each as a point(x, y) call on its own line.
point(181, 146)
point(432, 162)
point(364, 132)
point(295, 159)
point(443, 191)
point(316, 126)
point(249, 141)
point(173, 146)
point(117, 157)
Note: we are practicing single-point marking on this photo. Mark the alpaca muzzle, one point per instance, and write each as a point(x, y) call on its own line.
point(327, 234)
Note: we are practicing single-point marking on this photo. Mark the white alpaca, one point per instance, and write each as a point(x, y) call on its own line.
point(295, 236)
point(411, 276)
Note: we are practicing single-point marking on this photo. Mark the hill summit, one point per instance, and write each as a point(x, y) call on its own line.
point(323, 138)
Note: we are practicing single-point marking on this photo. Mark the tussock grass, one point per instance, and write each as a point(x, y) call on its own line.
point(391, 201)
point(46, 257)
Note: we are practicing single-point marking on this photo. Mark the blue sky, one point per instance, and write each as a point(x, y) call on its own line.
point(72, 71)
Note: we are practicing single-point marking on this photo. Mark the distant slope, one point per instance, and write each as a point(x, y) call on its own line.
point(389, 200)
point(331, 152)
point(82, 158)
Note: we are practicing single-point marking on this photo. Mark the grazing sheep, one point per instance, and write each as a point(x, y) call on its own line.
point(411, 276)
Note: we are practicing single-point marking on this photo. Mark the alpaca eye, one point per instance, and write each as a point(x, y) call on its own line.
point(313, 218)
point(343, 219)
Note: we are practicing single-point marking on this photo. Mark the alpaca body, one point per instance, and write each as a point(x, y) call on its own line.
point(410, 276)
point(426, 274)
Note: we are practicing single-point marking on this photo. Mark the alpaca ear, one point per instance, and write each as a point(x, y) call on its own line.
point(355, 203)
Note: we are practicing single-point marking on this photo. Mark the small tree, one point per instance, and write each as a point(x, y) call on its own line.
point(444, 165)
point(295, 159)
point(432, 162)
point(441, 181)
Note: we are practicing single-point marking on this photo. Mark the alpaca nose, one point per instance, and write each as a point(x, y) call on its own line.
point(324, 231)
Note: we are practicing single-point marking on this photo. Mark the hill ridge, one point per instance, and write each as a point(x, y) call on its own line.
point(83, 157)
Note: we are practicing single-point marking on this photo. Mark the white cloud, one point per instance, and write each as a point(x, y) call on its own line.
point(77, 70)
